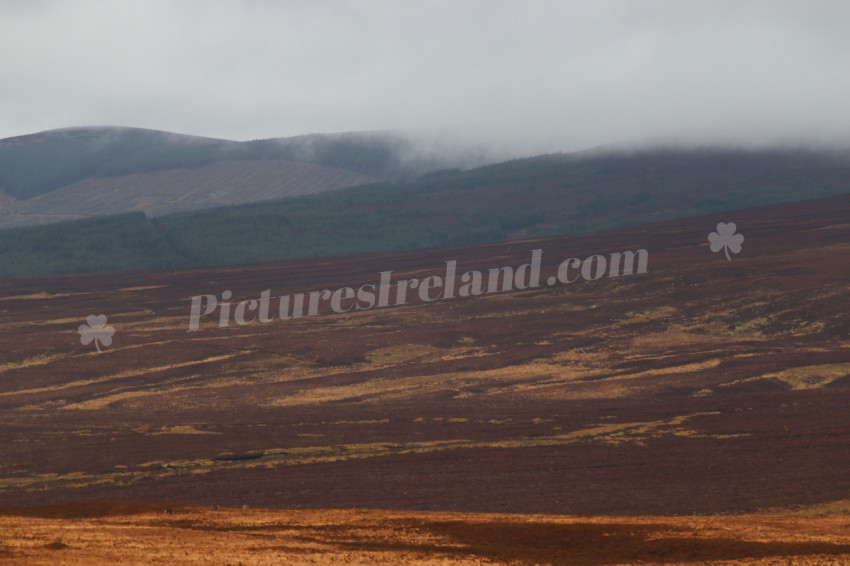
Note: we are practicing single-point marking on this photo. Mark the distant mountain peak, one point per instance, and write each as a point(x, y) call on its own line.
point(76, 134)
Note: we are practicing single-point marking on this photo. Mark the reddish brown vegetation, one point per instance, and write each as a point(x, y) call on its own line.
point(703, 386)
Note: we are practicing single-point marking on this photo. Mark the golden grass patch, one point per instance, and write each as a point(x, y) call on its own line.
point(811, 377)
point(39, 360)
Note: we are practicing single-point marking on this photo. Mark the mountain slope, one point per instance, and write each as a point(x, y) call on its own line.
point(176, 190)
point(82, 172)
point(546, 195)
point(36, 164)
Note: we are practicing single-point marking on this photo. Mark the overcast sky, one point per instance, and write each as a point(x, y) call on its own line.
point(525, 76)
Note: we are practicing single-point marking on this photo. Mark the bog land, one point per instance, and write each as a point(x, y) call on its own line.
point(615, 407)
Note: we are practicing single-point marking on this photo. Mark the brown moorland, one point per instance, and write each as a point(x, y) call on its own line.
point(135, 533)
point(704, 386)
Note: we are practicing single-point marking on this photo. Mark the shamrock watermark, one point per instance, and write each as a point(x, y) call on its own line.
point(726, 239)
point(96, 329)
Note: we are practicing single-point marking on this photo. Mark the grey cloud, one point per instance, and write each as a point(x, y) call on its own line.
point(521, 77)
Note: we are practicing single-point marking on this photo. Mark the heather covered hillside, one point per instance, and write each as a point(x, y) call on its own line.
point(693, 384)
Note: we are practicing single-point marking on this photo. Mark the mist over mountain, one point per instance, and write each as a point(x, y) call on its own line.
point(152, 200)
point(80, 172)
point(34, 164)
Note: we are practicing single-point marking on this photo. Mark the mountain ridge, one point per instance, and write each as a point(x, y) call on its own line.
point(532, 197)
point(82, 172)
point(36, 164)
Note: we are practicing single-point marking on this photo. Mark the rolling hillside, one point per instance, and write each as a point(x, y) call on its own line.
point(178, 190)
point(699, 384)
point(541, 196)
point(39, 163)
point(83, 172)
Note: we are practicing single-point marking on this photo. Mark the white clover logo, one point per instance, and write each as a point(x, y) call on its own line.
point(726, 239)
point(96, 330)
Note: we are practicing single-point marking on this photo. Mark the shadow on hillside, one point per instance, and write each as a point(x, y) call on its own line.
point(576, 544)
